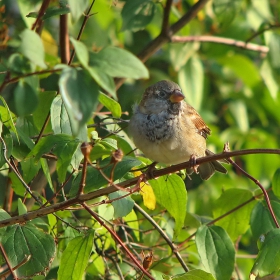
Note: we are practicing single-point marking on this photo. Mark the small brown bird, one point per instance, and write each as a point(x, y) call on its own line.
point(168, 130)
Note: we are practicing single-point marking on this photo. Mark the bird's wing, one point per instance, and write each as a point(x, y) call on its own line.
point(198, 122)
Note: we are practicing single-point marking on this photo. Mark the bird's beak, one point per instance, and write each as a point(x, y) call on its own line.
point(176, 96)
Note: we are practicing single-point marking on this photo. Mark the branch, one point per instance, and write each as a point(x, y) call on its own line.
point(165, 20)
point(221, 40)
point(131, 182)
point(64, 39)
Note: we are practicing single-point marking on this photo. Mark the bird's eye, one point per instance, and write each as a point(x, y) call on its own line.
point(161, 94)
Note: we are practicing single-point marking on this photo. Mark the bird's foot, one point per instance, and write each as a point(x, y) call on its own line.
point(150, 170)
point(193, 164)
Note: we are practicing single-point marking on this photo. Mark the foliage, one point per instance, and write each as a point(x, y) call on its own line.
point(66, 212)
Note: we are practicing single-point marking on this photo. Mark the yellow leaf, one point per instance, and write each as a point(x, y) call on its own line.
point(49, 43)
point(147, 192)
point(149, 197)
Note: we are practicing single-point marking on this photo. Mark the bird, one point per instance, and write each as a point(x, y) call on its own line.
point(170, 131)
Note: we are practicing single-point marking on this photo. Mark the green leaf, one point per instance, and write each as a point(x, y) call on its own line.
point(95, 180)
point(216, 251)
point(132, 221)
point(226, 11)
point(137, 14)
point(106, 211)
point(118, 62)
point(276, 183)
point(195, 274)
point(17, 185)
point(81, 51)
point(29, 168)
point(47, 173)
point(32, 47)
point(236, 223)
point(7, 117)
point(269, 79)
point(22, 241)
point(248, 73)
point(105, 81)
point(60, 120)
point(77, 8)
point(111, 104)
point(21, 207)
point(170, 192)
point(274, 48)
point(261, 220)
point(7, 137)
point(25, 7)
point(97, 267)
point(268, 259)
point(123, 206)
point(191, 78)
point(19, 64)
point(63, 146)
point(40, 114)
point(80, 96)
point(26, 98)
point(51, 12)
point(75, 257)
point(239, 111)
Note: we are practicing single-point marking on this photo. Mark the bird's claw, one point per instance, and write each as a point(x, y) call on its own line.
point(193, 164)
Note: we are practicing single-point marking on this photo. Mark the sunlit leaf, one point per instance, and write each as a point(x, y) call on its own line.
point(216, 251)
point(111, 104)
point(32, 47)
point(191, 77)
point(75, 257)
point(77, 8)
point(81, 52)
point(118, 62)
point(171, 193)
point(195, 274)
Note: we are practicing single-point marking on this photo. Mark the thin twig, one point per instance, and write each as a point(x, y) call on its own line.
point(163, 234)
point(221, 40)
point(261, 187)
point(7, 262)
point(115, 236)
point(38, 22)
point(86, 17)
point(16, 79)
point(271, 26)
